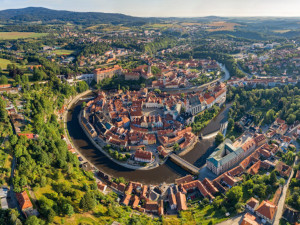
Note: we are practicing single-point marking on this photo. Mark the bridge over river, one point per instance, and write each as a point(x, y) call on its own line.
point(184, 164)
point(167, 172)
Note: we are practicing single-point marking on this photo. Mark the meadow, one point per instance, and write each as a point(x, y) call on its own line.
point(222, 26)
point(19, 35)
point(4, 63)
point(63, 52)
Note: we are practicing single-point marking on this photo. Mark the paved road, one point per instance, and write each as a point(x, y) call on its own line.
point(282, 198)
point(233, 221)
point(201, 87)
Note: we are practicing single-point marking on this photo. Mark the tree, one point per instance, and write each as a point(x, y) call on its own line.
point(82, 86)
point(13, 139)
point(158, 91)
point(281, 181)
point(88, 201)
point(50, 215)
point(155, 70)
point(68, 209)
point(39, 75)
point(270, 116)
point(219, 138)
point(273, 178)
point(238, 127)
point(230, 124)
point(3, 80)
point(232, 138)
point(291, 119)
point(176, 147)
point(234, 195)
point(33, 220)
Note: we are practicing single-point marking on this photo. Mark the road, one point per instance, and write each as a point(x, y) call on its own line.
point(281, 202)
point(201, 87)
point(13, 203)
point(233, 221)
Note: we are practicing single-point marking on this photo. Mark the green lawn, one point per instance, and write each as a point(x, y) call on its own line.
point(207, 214)
point(63, 52)
point(196, 216)
point(4, 63)
point(20, 35)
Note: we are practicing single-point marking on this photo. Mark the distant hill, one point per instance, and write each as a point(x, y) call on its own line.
point(44, 15)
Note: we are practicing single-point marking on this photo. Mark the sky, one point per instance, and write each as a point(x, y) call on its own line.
point(169, 8)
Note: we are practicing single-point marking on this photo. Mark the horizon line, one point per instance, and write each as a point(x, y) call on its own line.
point(162, 17)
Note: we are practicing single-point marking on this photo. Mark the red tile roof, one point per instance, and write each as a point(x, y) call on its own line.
point(140, 154)
point(28, 135)
point(279, 121)
point(209, 186)
point(267, 209)
point(298, 175)
point(126, 200)
point(24, 200)
point(252, 202)
point(181, 201)
point(236, 171)
point(249, 220)
point(136, 201)
point(182, 180)
point(260, 138)
point(151, 206)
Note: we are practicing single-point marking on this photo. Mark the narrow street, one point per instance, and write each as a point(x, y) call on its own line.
point(13, 203)
point(283, 197)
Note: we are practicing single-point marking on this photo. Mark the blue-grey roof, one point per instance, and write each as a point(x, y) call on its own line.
point(224, 153)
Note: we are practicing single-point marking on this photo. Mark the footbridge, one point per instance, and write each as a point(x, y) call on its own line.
point(184, 164)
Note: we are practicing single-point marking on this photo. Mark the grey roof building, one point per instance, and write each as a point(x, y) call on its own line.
point(227, 154)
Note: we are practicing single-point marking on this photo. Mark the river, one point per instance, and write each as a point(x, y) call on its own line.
point(164, 173)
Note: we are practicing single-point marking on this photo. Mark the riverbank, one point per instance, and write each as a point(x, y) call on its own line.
point(201, 87)
point(167, 172)
point(148, 167)
point(188, 149)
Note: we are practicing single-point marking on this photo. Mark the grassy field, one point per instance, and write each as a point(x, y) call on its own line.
point(281, 31)
point(221, 26)
point(191, 24)
point(85, 218)
point(106, 27)
point(4, 62)
point(19, 35)
point(195, 216)
point(63, 52)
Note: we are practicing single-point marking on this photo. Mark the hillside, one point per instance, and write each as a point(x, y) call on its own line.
point(48, 16)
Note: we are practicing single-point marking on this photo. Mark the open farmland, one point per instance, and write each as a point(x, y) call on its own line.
point(4, 63)
point(19, 35)
point(63, 52)
point(221, 26)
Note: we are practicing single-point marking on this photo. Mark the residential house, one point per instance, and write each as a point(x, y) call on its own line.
point(266, 210)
